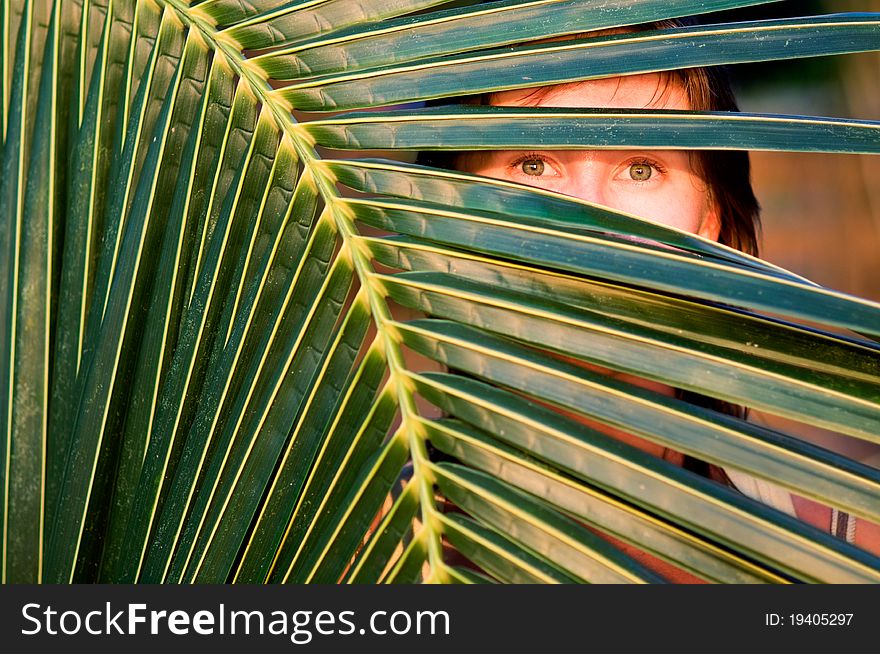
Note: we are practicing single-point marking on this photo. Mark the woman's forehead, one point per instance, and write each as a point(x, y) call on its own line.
point(648, 91)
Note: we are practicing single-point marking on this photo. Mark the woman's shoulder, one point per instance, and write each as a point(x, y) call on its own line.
point(824, 517)
point(762, 490)
point(773, 494)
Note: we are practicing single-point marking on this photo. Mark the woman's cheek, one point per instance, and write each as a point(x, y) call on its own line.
point(665, 208)
point(642, 203)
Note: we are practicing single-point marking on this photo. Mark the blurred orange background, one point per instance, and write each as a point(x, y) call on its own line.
point(821, 212)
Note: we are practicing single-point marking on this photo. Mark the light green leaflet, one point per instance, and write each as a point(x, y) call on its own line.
point(447, 32)
point(533, 65)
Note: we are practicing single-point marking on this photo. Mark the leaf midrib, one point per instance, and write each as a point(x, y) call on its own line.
point(379, 310)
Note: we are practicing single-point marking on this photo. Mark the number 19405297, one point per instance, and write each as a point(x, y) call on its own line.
point(808, 619)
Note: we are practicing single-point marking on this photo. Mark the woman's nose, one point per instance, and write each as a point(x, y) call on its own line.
point(585, 182)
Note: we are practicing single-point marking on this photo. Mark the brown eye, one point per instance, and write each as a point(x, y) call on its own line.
point(640, 172)
point(532, 167)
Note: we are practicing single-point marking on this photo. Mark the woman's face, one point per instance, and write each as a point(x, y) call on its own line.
point(660, 185)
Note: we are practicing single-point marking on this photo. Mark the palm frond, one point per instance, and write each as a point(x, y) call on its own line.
point(215, 368)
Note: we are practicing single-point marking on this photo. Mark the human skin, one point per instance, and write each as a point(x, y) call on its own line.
point(660, 185)
point(663, 186)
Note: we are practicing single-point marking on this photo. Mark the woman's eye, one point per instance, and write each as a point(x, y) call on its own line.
point(640, 172)
point(532, 167)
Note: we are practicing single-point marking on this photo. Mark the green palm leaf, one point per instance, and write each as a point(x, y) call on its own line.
point(531, 65)
point(215, 369)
